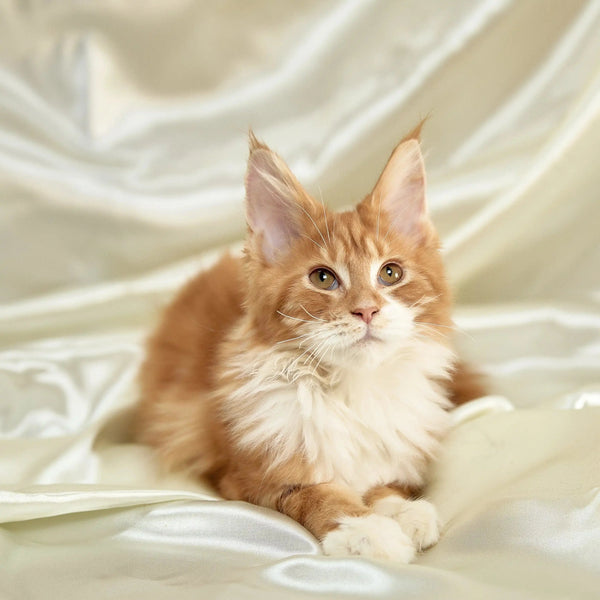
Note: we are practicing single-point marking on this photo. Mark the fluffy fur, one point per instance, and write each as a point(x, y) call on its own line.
point(324, 404)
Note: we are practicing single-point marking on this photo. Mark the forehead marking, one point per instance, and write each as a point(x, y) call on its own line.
point(371, 248)
point(356, 254)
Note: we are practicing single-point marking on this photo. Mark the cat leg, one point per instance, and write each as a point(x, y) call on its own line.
point(418, 518)
point(344, 525)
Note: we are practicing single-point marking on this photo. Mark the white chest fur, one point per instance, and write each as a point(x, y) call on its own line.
point(375, 426)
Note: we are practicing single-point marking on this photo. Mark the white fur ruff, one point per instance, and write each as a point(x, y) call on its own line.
point(364, 426)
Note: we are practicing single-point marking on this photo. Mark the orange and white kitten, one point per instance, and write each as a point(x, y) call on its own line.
point(313, 376)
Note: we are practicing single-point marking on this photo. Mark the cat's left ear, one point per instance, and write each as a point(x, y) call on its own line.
point(400, 192)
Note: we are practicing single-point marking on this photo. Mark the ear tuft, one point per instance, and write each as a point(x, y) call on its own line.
point(254, 143)
point(415, 134)
point(400, 190)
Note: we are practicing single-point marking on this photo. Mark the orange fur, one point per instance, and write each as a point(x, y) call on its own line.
point(383, 491)
point(241, 307)
point(466, 384)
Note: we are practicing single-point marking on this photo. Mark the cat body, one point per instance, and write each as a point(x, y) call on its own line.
point(313, 374)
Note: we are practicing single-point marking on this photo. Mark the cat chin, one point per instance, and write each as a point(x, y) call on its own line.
point(367, 353)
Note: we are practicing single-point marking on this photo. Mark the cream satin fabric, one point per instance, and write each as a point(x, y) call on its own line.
point(122, 150)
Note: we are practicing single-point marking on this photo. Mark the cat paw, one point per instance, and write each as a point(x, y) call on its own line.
point(371, 536)
point(417, 518)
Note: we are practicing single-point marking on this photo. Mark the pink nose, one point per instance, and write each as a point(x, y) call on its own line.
point(366, 314)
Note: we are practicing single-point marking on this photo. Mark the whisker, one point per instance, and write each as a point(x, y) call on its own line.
point(324, 213)
point(415, 303)
point(314, 348)
point(463, 332)
point(378, 214)
point(315, 355)
point(421, 301)
point(292, 338)
point(429, 300)
point(453, 328)
point(294, 318)
point(314, 334)
point(423, 336)
point(310, 314)
point(328, 346)
point(313, 222)
point(293, 364)
point(436, 324)
point(430, 329)
point(313, 241)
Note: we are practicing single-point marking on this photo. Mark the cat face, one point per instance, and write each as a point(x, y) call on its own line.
point(345, 288)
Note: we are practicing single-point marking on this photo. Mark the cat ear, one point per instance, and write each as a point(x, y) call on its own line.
point(274, 200)
point(400, 191)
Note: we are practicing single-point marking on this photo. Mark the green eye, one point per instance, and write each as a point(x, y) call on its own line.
point(324, 279)
point(390, 274)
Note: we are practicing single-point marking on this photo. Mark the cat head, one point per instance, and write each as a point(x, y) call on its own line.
point(342, 287)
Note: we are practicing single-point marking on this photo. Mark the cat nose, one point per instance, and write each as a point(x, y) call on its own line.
point(366, 314)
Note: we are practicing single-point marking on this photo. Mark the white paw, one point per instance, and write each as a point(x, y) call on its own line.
point(418, 518)
point(372, 536)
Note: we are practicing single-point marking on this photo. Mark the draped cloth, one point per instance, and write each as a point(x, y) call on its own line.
point(122, 152)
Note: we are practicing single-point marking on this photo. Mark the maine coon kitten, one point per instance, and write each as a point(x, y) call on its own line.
point(312, 376)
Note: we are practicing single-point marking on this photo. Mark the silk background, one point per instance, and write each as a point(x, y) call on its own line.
point(122, 148)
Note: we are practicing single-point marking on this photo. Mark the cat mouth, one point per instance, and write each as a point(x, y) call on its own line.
point(367, 338)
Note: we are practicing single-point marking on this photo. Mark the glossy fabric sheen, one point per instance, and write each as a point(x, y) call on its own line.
point(122, 151)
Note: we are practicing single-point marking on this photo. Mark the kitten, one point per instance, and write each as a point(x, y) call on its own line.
point(313, 375)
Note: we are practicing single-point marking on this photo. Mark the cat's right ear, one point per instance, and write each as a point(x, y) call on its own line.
point(274, 200)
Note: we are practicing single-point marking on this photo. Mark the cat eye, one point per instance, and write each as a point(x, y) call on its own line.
point(324, 279)
point(390, 274)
